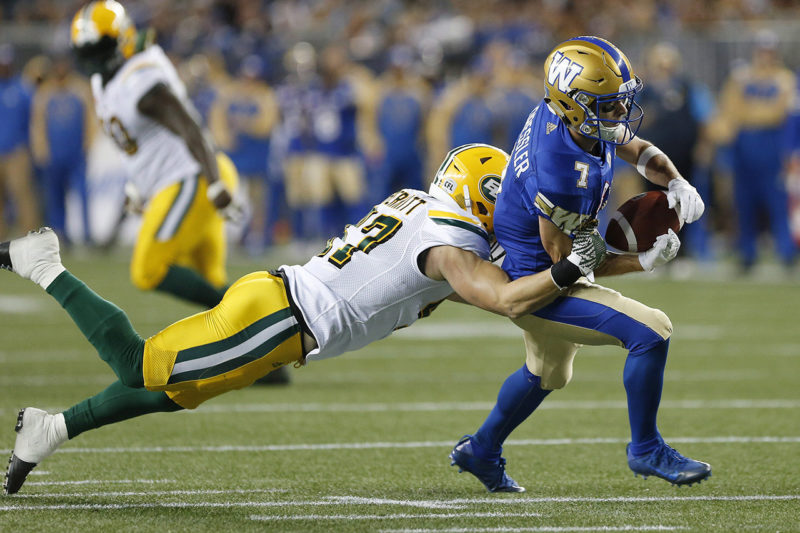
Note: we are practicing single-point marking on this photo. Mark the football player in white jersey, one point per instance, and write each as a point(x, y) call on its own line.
point(174, 177)
point(396, 265)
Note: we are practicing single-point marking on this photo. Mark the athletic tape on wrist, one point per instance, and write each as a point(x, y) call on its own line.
point(214, 189)
point(649, 153)
point(565, 273)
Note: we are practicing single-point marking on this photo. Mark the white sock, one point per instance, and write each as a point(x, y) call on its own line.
point(59, 430)
point(44, 275)
point(36, 257)
point(40, 436)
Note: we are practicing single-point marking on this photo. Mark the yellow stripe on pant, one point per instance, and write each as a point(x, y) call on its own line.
point(249, 334)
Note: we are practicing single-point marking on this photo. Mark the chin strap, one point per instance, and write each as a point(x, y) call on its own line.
point(467, 199)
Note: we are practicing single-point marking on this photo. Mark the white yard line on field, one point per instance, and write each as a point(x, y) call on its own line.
point(506, 329)
point(401, 516)
point(397, 378)
point(115, 506)
point(402, 445)
point(457, 503)
point(554, 529)
point(24, 357)
point(99, 482)
point(22, 305)
point(483, 406)
point(131, 494)
point(413, 407)
point(629, 499)
point(105, 378)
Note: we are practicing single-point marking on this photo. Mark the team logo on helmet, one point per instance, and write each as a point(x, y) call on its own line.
point(585, 74)
point(489, 187)
point(563, 72)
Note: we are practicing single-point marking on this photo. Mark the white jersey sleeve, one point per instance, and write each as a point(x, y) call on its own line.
point(368, 283)
point(156, 157)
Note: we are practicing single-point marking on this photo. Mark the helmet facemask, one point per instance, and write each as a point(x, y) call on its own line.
point(102, 57)
point(615, 131)
point(585, 75)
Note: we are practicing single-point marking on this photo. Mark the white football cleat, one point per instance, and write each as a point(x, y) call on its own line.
point(35, 256)
point(39, 434)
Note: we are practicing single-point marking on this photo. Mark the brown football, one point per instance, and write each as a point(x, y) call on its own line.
point(636, 224)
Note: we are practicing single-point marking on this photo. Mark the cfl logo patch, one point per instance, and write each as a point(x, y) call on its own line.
point(449, 185)
point(562, 72)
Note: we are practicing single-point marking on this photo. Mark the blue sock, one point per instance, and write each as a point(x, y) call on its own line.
point(644, 379)
point(519, 396)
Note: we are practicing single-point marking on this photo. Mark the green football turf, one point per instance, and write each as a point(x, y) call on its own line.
point(360, 442)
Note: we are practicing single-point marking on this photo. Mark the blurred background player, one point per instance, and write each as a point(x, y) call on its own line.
point(677, 118)
point(588, 117)
point(173, 174)
point(516, 91)
point(335, 176)
point(17, 189)
point(293, 142)
point(402, 107)
point(462, 112)
point(755, 106)
point(242, 118)
point(63, 126)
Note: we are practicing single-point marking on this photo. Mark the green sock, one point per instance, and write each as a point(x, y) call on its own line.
point(115, 404)
point(188, 284)
point(105, 326)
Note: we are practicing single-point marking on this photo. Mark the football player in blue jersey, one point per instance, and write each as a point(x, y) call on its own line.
point(557, 179)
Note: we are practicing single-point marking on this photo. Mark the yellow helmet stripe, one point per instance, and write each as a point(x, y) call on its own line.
point(463, 225)
point(446, 214)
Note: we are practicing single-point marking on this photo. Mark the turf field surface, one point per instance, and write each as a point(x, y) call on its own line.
point(360, 442)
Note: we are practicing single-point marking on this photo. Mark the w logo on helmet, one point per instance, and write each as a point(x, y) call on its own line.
point(562, 72)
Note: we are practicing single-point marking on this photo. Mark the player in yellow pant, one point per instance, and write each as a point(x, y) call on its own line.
point(249, 334)
point(180, 248)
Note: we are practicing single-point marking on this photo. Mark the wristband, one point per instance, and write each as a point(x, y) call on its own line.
point(565, 273)
point(649, 153)
point(214, 189)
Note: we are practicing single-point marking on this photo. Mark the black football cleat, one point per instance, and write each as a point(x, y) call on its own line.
point(39, 434)
point(17, 469)
point(5, 256)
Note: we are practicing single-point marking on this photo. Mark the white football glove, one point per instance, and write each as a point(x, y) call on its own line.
point(588, 250)
point(231, 206)
point(236, 212)
point(684, 198)
point(663, 251)
point(134, 203)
